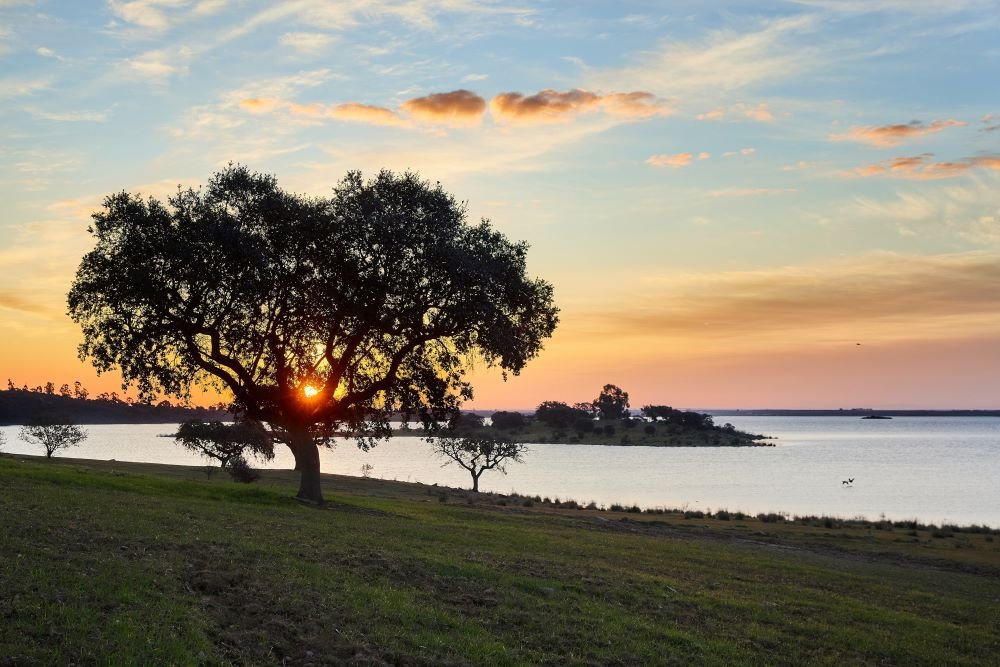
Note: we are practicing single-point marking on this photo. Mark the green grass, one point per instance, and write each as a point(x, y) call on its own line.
point(115, 563)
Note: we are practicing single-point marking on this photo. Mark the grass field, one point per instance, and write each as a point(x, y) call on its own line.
point(116, 563)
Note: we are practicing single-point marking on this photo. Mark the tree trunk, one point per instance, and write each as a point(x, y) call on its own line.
point(307, 463)
point(298, 463)
point(475, 483)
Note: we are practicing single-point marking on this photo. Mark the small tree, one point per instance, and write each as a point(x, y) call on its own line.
point(479, 454)
point(52, 433)
point(226, 442)
point(241, 471)
point(612, 403)
point(79, 391)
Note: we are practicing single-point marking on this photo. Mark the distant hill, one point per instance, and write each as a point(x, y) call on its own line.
point(18, 407)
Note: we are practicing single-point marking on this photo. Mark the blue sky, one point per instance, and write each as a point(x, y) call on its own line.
point(726, 195)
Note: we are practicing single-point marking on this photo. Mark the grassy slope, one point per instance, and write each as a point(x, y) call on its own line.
point(144, 564)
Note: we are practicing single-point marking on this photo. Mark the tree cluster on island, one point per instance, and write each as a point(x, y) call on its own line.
point(608, 420)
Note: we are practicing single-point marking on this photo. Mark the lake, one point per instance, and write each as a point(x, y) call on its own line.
point(935, 469)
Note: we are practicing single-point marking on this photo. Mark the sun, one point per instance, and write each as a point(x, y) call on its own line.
point(310, 391)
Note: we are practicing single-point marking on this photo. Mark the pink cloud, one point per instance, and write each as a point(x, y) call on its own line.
point(365, 113)
point(554, 106)
point(923, 168)
point(673, 161)
point(884, 136)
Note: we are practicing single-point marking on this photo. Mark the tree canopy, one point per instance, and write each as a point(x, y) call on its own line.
point(314, 312)
point(558, 414)
point(226, 442)
point(611, 403)
point(53, 433)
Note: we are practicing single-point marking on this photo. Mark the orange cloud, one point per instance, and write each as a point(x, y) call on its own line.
point(13, 301)
point(921, 167)
point(313, 109)
point(462, 107)
point(554, 106)
point(637, 104)
point(260, 104)
point(365, 113)
point(673, 161)
point(759, 113)
point(714, 114)
point(884, 136)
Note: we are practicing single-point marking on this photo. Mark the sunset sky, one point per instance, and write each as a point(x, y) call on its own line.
point(728, 196)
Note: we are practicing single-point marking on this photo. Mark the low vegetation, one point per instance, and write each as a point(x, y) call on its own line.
point(147, 564)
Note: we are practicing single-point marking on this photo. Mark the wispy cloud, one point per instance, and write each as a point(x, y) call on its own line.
point(12, 87)
point(886, 136)
point(759, 112)
point(46, 52)
point(721, 63)
point(670, 160)
point(307, 43)
point(923, 167)
point(69, 116)
point(894, 6)
point(751, 192)
point(159, 15)
point(365, 113)
point(158, 66)
point(967, 210)
point(17, 301)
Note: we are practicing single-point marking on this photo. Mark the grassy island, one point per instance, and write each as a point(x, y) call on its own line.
point(682, 429)
point(148, 564)
point(620, 432)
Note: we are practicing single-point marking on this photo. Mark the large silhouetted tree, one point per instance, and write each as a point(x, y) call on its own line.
point(314, 312)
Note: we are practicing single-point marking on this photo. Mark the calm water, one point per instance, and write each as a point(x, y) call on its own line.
point(935, 469)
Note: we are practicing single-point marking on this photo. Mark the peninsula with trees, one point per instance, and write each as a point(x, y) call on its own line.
point(606, 420)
